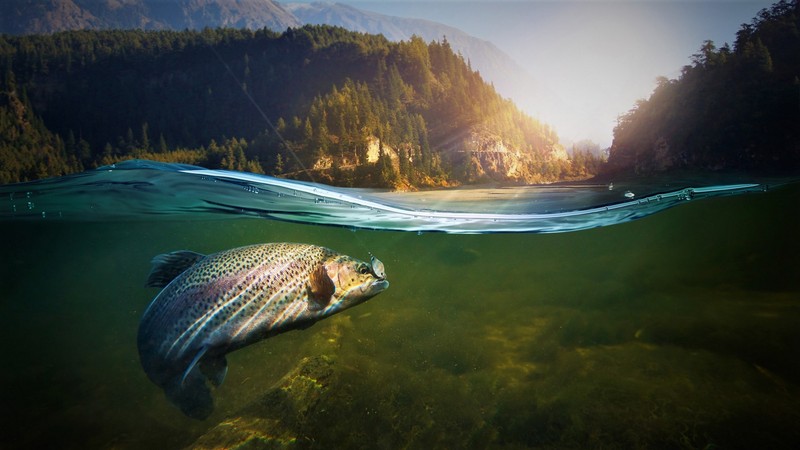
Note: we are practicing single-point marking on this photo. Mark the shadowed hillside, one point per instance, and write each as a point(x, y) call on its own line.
point(733, 108)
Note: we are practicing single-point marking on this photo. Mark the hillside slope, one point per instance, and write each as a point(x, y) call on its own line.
point(321, 102)
point(731, 109)
point(49, 16)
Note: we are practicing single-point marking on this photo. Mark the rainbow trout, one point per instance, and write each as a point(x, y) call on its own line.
point(212, 305)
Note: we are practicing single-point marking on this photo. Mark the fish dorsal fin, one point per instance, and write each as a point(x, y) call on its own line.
point(214, 369)
point(320, 289)
point(169, 265)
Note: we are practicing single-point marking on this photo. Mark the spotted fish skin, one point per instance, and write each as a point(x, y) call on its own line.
point(219, 303)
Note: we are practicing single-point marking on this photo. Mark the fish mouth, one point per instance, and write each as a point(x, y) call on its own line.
point(379, 285)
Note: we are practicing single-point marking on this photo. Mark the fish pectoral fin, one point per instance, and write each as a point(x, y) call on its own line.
point(169, 265)
point(215, 369)
point(191, 394)
point(320, 289)
point(194, 362)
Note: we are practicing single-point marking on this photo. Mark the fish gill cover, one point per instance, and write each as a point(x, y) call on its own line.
point(140, 189)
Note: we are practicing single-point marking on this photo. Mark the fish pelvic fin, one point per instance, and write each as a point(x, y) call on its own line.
point(169, 265)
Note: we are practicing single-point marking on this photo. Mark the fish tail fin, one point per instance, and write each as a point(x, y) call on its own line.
point(192, 395)
point(169, 265)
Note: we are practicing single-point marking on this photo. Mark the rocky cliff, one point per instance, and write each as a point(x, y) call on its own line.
point(485, 157)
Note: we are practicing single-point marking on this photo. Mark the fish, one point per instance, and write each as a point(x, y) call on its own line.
point(211, 305)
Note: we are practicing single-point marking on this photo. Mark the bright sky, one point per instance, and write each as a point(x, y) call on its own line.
point(591, 59)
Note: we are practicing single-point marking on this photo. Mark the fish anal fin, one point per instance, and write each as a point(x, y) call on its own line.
point(169, 265)
point(215, 369)
point(320, 289)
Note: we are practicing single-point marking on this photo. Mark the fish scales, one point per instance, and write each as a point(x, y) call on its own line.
point(225, 301)
point(215, 288)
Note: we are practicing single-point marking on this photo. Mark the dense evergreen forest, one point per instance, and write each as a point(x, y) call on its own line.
point(731, 109)
point(315, 103)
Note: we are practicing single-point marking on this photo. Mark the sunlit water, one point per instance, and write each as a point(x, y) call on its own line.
point(677, 330)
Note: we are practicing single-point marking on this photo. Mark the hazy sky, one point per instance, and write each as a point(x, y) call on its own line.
point(596, 56)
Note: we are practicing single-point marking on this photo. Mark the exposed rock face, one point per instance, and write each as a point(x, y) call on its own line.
point(649, 160)
point(485, 157)
point(659, 159)
point(492, 159)
point(374, 148)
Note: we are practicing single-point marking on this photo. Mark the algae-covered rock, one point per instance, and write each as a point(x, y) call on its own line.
point(278, 419)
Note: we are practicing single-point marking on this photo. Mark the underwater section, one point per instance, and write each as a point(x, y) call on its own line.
point(678, 331)
point(147, 190)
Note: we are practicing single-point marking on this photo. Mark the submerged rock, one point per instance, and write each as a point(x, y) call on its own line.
point(276, 420)
point(279, 418)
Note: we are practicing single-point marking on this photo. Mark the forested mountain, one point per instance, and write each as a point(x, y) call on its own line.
point(495, 66)
point(315, 102)
point(49, 16)
point(732, 108)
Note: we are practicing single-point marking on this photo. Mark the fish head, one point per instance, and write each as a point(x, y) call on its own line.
point(355, 281)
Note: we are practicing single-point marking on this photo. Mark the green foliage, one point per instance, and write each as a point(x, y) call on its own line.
point(730, 109)
point(28, 150)
point(332, 94)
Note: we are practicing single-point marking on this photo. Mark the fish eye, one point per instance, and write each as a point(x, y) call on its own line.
point(363, 269)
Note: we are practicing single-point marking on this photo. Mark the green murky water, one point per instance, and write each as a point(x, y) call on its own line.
point(679, 330)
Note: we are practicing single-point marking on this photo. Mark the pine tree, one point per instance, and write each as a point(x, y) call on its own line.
point(145, 140)
point(278, 170)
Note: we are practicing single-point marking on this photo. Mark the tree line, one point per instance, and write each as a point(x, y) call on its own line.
point(309, 102)
point(731, 109)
